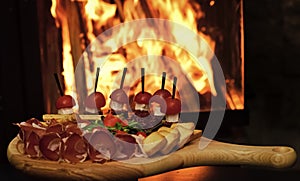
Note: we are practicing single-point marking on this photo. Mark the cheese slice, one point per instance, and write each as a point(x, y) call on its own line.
point(164, 128)
point(153, 143)
point(172, 140)
point(185, 134)
point(186, 125)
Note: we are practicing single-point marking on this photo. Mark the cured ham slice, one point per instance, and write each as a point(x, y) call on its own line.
point(102, 146)
point(50, 146)
point(31, 125)
point(32, 145)
point(126, 146)
point(93, 154)
point(30, 133)
point(75, 149)
point(55, 128)
point(72, 128)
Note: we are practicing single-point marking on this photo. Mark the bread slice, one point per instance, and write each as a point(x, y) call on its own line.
point(172, 138)
point(153, 143)
point(61, 118)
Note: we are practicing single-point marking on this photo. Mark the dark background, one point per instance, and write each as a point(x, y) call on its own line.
point(272, 70)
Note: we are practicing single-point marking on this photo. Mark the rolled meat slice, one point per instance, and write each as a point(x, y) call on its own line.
point(31, 125)
point(50, 146)
point(126, 146)
point(30, 133)
point(31, 145)
point(75, 149)
point(92, 153)
point(55, 128)
point(101, 146)
point(71, 128)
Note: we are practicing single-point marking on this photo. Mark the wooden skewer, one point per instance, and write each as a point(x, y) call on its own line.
point(96, 82)
point(123, 78)
point(58, 84)
point(163, 81)
point(143, 79)
point(174, 87)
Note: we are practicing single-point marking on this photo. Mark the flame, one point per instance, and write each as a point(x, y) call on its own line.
point(100, 11)
point(100, 16)
point(68, 68)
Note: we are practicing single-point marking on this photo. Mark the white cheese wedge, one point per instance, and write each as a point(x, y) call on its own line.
point(91, 110)
point(172, 118)
point(116, 105)
point(153, 143)
point(157, 112)
point(141, 107)
point(172, 140)
point(65, 111)
point(185, 134)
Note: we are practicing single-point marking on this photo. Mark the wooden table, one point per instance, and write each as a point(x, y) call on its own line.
point(199, 173)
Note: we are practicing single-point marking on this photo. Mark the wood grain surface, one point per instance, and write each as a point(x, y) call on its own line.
point(216, 153)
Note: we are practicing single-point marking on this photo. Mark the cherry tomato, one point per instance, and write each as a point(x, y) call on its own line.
point(110, 120)
point(65, 101)
point(163, 93)
point(95, 99)
point(142, 98)
point(173, 106)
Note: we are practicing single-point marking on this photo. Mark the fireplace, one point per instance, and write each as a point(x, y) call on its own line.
point(66, 29)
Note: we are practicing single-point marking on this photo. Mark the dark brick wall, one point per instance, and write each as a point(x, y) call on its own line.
point(272, 49)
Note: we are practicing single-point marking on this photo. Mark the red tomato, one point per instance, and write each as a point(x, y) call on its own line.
point(141, 133)
point(124, 122)
point(95, 100)
point(110, 120)
point(120, 132)
point(65, 101)
point(163, 93)
point(142, 98)
point(173, 106)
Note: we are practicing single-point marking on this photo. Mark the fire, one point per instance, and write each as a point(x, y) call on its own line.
point(68, 68)
point(99, 16)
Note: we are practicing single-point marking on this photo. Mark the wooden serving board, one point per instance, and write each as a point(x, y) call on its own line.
point(216, 153)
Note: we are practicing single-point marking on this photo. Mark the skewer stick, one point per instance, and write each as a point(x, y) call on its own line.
point(58, 84)
point(143, 79)
point(174, 87)
point(163, 80)
point(123, 78)
point(96, 82)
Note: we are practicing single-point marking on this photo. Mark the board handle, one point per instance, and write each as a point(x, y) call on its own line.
point(220, 153)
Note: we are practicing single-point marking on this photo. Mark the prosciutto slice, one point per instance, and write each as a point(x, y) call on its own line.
point(31, 125)
point(126, 145)
point(72, 128)
point(32, 145)
point(75, 149)
point(30, 133)
point(50, 146)
point(102, 146)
